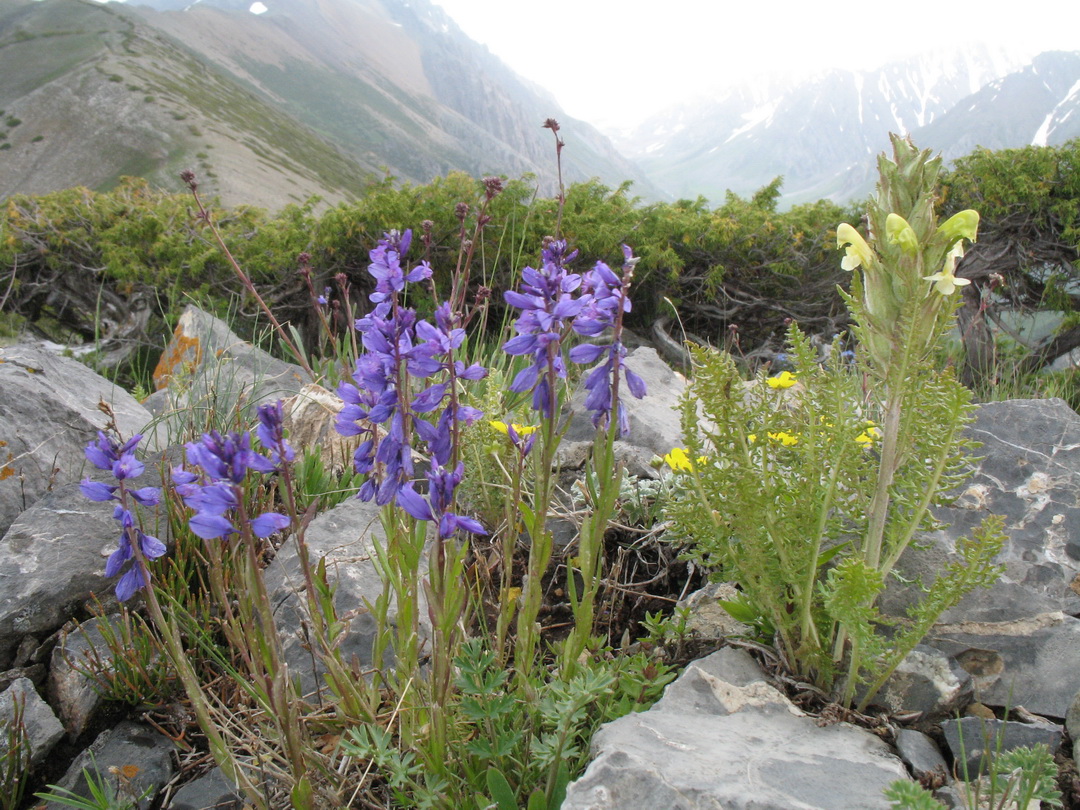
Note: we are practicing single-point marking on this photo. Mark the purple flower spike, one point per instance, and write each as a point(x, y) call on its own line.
point(605, 301)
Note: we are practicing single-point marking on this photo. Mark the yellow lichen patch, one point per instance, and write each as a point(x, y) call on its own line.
point(182, 352)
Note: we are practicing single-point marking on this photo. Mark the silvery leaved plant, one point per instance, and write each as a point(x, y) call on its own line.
point(807, 487)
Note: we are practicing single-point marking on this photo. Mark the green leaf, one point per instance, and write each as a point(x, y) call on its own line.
point(740, 611)
point(500, 790)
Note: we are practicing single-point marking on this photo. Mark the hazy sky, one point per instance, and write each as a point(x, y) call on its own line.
point(613, 62)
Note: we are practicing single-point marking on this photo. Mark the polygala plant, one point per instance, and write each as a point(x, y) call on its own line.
point(807, 491)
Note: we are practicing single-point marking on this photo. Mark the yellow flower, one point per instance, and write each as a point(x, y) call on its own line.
point(964, 225)
point(786, 439)
point(900, 233)
point(944, 280)
point(678, 460)
point(858, 252)
point(785, 379)
point(869, 435)
point(520, 430)
point(512, 594)
point(751, 437)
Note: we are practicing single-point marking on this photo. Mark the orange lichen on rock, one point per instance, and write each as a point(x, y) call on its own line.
point(182, 354)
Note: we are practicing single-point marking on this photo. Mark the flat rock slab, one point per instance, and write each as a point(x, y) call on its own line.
point(130, 748)
point(51, 560)
point(345, 537)
point(48, 413)
point(722, 739)
point(43, 730)
point(1020, 638)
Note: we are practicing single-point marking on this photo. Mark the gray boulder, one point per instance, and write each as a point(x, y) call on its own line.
point(43, 730)
point(723, 738)
point(207, 373)
point(51, 560)
point(344, 536)
point(131, 759)
point(974, 741)
point(654, 420)
point(48, 412)
point(1019, 639)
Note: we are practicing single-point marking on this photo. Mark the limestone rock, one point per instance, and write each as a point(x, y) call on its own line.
point(739, 743)
point(211, 791)
point(76, 695)
point(309, 421)
point(43, 730)
point(207, 369)
point(129, 748)
point(654, 420)
point(929, 682)
point(48, 413)
point(973, 740)
point(920, 753)
point(1019, 639)
point(51, 560)
point(345, 537)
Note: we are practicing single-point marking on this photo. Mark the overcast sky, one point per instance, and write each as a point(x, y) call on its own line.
point(613, 62)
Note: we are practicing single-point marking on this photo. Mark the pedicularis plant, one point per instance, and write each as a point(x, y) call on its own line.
point(808, 490)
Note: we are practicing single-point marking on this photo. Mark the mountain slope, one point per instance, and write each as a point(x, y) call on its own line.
point(396, 81)
point(99, 94)
point(822, 133)
point(310, 97)
point(1038, 105)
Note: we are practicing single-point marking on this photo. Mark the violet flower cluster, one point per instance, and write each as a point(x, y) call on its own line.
point(547, 303)
point(380, 405)
point(119, 459)
point(216, 493)
point(546, 300)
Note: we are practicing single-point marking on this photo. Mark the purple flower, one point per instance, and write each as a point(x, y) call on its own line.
point(271, 433)
point(546, 300)
point(225, 461)
point(119, 459)
point(605, 300)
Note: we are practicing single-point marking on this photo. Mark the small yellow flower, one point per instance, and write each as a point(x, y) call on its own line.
point(751, 437)
point(785, 379)
point(900, 233)
point(858, 252)
point(869, 435)
point(786, 439)
point(520, 430)
point(512, 594)
point(944, 280)
point(678, 460)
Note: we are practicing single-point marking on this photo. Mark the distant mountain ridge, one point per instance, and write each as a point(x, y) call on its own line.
point(823, 132)
point(308, 97)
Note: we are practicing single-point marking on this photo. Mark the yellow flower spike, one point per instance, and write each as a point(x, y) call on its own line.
point(785, 379)
point(964, 225)
point(944, 280)
point(900, 233)
point(858, 252)
point(786, 439)
point(678, 460)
